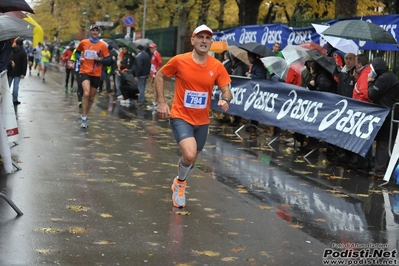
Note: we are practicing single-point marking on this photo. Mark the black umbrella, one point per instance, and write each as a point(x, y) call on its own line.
point(131, 47)
point(12, 27)
point(257, 48)
point(359, 30)
point(110, 42)
point(233, 43)
point(15, 5)
point(326, 62)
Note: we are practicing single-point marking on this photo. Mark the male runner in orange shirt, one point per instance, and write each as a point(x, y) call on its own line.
point(195, 73)
point(92, 54)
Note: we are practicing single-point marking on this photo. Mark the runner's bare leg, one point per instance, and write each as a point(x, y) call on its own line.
point(88, 97)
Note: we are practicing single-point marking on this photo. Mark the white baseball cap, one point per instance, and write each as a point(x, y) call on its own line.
point(202, 28)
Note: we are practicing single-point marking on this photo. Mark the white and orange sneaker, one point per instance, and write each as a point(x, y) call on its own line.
point(178, 196)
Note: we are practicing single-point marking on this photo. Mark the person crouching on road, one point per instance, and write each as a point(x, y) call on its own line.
point(196, 74)
point(92, 54)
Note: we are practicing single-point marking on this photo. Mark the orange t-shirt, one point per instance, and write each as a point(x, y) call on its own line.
point(89, 66)
point(193, 86)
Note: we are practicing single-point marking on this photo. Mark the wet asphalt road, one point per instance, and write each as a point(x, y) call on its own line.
point(102, 196)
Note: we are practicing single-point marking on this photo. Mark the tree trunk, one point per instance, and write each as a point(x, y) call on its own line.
point(203, 12)
point(220, 18)
point(248, 11)
point(182, 27)
point(345, 8)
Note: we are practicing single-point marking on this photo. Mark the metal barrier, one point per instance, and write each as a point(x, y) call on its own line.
point(16, 209)
point(391, 138)
point(393, 122)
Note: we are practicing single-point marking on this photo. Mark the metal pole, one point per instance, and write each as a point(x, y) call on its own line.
point(144, 17)
point(85, 14)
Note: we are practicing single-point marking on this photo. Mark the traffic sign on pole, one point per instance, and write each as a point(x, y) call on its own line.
point(128, 20)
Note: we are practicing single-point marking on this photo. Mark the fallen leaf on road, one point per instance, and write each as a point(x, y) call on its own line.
point(80, 174)
point(236, 250)
point(78, 230)
point(207, 253)
point(48, 230)
point(43, 251)
point(229, 259)
point(263, 207)
point(320, 220)
point(127, 185)
point(106, 215)
point(139, 173)
point(182, 213)
point(104, 242)
point(296, 226)
point(78, 208)
point(238, 219)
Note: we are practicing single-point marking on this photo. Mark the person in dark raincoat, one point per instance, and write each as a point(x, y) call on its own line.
point(383, 89)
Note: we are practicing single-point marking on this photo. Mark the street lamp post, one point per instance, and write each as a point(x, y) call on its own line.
point(144, 17)
point(85, 14)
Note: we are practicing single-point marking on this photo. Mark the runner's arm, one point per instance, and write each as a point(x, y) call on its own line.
point(226, 93)
point(159, 86)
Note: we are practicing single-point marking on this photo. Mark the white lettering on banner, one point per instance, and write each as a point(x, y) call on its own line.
point(247, 36)
point(238, 95)
point(349, 121)
point(299, 109)
point(390, 28)
point(261, 100)
point(271, 36)
point(299, 37)
point(228, 36)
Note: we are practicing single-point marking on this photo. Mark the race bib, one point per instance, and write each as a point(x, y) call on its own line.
point(195, 99)
point(70, 64)
point(90, 54)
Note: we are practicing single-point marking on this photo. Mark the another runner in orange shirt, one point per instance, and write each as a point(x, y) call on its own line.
point(195, 73)
point(92, 54)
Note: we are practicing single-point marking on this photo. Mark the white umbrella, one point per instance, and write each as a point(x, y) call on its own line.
point(277, 65)
point(12, 27)
point(293, 53)
point(344, 45)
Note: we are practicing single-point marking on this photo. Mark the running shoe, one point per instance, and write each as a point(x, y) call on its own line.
point(178, 196)
point(80, 104)
point(84, 123)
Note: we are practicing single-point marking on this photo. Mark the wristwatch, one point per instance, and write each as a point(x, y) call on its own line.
point(226, 99)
